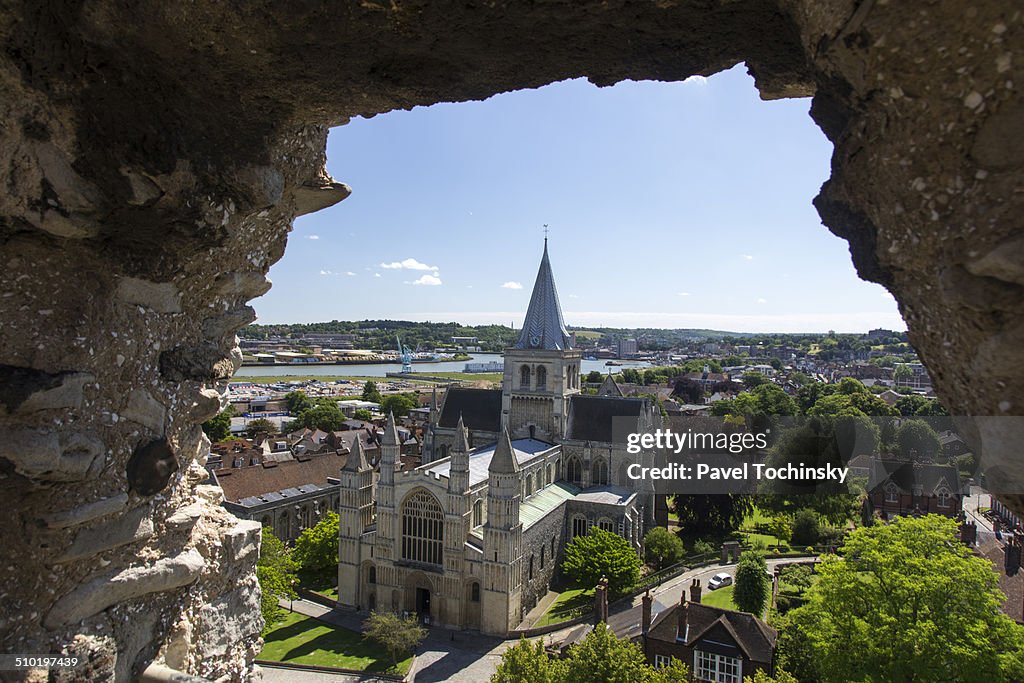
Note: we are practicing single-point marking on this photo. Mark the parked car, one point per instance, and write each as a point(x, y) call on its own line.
point(719, 580)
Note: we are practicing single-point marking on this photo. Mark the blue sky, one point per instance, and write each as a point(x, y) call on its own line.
point(669, 205)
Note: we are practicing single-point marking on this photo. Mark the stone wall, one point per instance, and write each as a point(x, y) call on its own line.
point(155, 157)
point(537, 536)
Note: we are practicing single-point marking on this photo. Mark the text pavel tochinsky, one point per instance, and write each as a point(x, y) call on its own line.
point(725, 443)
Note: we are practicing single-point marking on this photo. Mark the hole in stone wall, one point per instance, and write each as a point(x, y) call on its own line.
point(683, 204)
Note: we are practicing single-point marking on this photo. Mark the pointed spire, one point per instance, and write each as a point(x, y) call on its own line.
point(544, 327)
point(356, 461)
point(391, 432)
point(461, 437)
point(504, 459)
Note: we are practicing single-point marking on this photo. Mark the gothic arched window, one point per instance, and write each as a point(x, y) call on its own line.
point(478, 512)
point(529, 485)
point(542, 377)
point(474, 592)
point(574, 470)
point(372, 575)
point(422, 528)
point(524, 377)
point(599, 472)
point(579, 526)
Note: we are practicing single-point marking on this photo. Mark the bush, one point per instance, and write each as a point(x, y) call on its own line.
point(753, 588)
point(602, 554)
point(806, 527)
point(702, 547)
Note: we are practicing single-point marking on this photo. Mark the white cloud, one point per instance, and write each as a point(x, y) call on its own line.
point(696, 80)
point(429, 280)
point(574, 296)
point(376, 274)
point(761, 301)
point(349, 273)
point(684, 294)
point(747, 257)
point(408, 264)
point(325, 272)
point(312, 237)
point(512, 285)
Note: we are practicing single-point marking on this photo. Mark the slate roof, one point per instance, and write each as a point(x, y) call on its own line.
point(480, 409)
point(537, 506)
point(606, 495)
point(754, 637)
point(929, 476)
point(525, 450)
point(544, 327)
point(249, 482)
point(590, 417)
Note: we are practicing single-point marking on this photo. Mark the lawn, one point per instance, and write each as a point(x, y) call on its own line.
point(305, 640)
point(569, 605)
point(719, 598)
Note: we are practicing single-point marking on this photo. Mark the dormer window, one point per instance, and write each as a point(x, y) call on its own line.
point(892, 494)
point(944, 497)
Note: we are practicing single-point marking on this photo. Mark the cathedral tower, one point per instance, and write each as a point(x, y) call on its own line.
point(542, 370)
point(503, 541)
point(355, 515)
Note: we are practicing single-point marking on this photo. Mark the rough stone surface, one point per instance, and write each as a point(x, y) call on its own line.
point(155, 157)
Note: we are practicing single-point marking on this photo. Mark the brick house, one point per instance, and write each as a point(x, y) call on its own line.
point(719, 645)
point(900, 487)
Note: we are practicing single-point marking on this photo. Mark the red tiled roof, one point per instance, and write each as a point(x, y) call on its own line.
point(243, 482)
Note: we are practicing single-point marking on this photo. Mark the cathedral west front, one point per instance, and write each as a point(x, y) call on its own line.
point(472, 538)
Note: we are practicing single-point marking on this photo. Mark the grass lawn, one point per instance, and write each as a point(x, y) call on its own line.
point(754, 518)
point(719, 598)
point(567, 606)
point(305, 640)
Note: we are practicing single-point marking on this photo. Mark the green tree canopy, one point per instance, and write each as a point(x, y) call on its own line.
point(916, 437)
point(662, 547)
point(363, 414)
point(316, 548)
point(218, 427)
point(711, 513)
point(370, 392)
point(594, 377)
point(260, 425)
point(904, 601)
point(398, 635)
point(325, 416)
point(753, 378)
point(398, 404)
point(598, 554)
point(297, 402)
point(275, 571)
point(753, 587)
point(599, 658)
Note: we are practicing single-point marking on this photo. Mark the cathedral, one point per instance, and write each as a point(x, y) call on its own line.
point(473, 537)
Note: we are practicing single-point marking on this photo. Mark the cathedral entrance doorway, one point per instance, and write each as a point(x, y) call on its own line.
point(423, 604)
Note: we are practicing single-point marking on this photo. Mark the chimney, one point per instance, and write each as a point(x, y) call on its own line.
point(681, 619)
point(601, 601)
point(645, 622)
point(695, 591)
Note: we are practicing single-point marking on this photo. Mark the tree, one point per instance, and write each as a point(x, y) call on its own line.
point(275, 571)
point(780, 527)
point(396, 634)
point(397, 404)
point(916, 437)
point(781, 676)
point(906, 601)
point(316, 548)
point(598, 554)
point(260, 425)
point(325, 416)
point(753, 378)
point(662, 547)
point(370, 392)
point(363, 414)
point(752, 589)
point(297, 402)
point(526, 662)
point(806, 527)
point(218, 427)
point(594, 377)
point(711, 513)
point(599, 658)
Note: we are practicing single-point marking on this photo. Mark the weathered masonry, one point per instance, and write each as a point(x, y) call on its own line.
point(155, 156)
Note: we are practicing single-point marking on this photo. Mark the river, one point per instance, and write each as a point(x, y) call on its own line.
point(381, 369)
